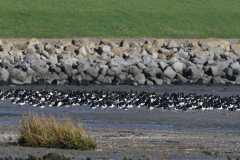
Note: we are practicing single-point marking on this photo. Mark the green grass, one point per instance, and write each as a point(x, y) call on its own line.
point(119, 18)
point(52, 132)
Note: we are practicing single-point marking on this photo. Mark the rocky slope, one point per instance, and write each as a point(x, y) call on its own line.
point(82, 61)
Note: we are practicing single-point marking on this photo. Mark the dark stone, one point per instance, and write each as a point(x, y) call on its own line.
point(199, 81)
point(62, 76)
point(134, 70)
point(193, 73)
point(42, 82)
point(54, 68)
point(177, 82)
point(53, 156)
point(236, 72)
point(229, 72)
point(55, 82)
point(2, 83)
point(215, 71)
point(86, 78)
point(217, 80)
point(111, 72)
point(121, 77)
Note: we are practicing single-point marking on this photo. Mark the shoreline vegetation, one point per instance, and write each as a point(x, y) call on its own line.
point(53, 156)
point(122, 19)
point(52, 132)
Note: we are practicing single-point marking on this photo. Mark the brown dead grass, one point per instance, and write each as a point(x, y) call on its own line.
point(52, 132)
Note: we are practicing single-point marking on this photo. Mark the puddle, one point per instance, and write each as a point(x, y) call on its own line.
point(154, 157)
point(9, 122)
point(196, 157)
point(137, 125)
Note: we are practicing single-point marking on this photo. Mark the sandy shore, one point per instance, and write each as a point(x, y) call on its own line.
point(175, 135)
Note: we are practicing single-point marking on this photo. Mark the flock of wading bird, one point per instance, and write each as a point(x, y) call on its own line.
point(120, 100)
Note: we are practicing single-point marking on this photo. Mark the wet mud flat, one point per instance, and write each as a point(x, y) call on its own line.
point(137, 133)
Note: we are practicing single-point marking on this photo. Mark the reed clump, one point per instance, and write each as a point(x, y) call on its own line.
point(53, 132)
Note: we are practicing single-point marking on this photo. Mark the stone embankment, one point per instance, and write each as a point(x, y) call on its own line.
point(82, 61)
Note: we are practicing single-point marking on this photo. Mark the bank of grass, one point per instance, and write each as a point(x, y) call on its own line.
point(53, 132)
point(119, 18)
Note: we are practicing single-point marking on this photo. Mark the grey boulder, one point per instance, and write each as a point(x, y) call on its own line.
point(83, 67)
point(17, 74)
point(121, 77)
point(101, 79)
point(180, 77)
point(134, 70)
point(40, 67)
point(14, 81)
point(152, 64)
point(86, 78)
point(235, 65)
point(28, 80)
point(141, 65)
point(169, 73)
point(156, 81)
point(135, 54)
point(153, 72)
point(178, 67)
point(4, 74)
point(162, 65)
point(54, 68)
point(111, 72)
point(62, 76)
point(93, 72)
point(146, 59)
point(140, 78)
point(31, 56)
point(77, 79)
point(124, 43)
point(215, 71)
point(217, 80)
point(172, 44)
point(31, 72)
point(112, 63)
point(67, 69)
point(104, 80)
point(229, 72)
point(193, 73)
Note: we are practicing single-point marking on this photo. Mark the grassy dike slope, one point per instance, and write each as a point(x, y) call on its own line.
point(120, 18)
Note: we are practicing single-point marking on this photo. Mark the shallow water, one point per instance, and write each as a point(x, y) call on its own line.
point(154, 157)
point(223, 126)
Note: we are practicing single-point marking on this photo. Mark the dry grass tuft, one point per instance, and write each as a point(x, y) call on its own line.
point(161, 157)
point(126, 158)
point(33, 157)
point(229, 158)
point(11, 157)
point(5, 158)
point(52, 132)
point(208, 153)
